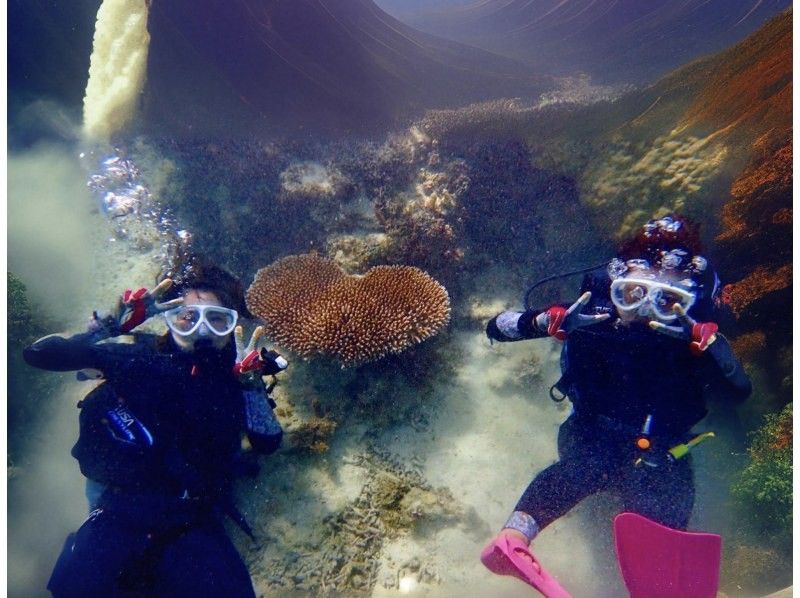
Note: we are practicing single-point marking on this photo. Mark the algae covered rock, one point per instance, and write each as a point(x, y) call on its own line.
point(763, 490)
point(21, 327)
point(28, 389)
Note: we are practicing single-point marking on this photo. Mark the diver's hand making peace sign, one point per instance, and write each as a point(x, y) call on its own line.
point(133, 308)
point(251, 358)
point(699, 334)
point(558, 321)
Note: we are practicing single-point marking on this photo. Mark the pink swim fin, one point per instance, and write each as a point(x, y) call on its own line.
point(660, 562)
point(507, 555)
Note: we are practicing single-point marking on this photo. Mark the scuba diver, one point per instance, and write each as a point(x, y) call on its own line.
point(161, 440)
point(640, 352)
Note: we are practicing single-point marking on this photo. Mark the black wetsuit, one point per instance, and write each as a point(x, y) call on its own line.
point(615, 376)
point(163, 433)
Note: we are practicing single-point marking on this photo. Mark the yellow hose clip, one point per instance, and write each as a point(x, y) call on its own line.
point(681, 450)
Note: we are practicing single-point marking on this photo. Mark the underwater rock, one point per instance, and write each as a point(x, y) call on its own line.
point(759, 284)
point(356, 253)
point(310, 306)
point(312, 180)
point(755, 244)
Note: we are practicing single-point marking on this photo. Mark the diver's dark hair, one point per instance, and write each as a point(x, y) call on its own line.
point(200, 274)
point(652, 240)
point(676, 234)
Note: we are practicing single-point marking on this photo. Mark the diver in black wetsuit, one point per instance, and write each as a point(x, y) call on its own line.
point(640, 353)
point(161, 438)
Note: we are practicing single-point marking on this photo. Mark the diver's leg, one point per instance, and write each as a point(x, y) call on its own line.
point(93, 557)
point(664, 494)
point(584, 469)
point(586, 466)
point(203, 562)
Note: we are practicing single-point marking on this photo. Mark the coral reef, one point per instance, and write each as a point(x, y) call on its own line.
point(419, 234)
point(754, 250)
point(311, 434)
point(495, 119)
point(311, 307)
point(312, 180)
point(343, 557)
point(749, 347)
point(757, 285)
point(234, 185)
point(526, 218)
point(356, 253)
point(669, 175)
point(760, 199)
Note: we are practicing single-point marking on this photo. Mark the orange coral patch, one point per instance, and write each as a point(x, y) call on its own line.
point(760, 282)
point(748, 346)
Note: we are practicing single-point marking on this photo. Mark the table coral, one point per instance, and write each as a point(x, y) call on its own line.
point(310, 306)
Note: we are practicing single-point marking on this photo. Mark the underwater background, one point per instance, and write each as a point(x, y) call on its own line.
point(489, 144)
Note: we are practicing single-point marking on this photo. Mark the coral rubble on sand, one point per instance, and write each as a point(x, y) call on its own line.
point(343, 556)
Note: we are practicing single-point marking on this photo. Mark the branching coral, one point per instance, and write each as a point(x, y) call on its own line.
point(343, 556)
point(310, 306)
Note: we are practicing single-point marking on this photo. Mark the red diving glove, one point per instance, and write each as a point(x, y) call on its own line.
point(250, 359)
point(133, 308)
point(703, 334)
point(555, 318)
point(559, 321)
point(700, 335)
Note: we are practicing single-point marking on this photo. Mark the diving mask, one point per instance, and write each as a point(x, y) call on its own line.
point(649, 297)
point(185, 320)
